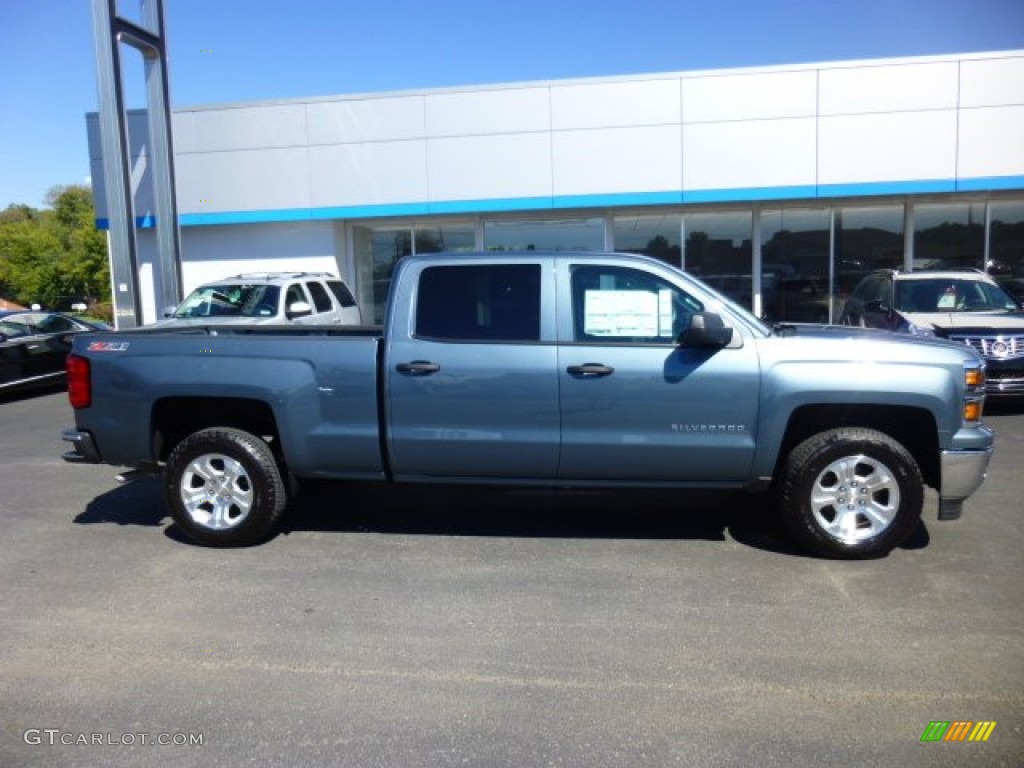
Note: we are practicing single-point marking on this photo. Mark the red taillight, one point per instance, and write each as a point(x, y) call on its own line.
point(79, 384)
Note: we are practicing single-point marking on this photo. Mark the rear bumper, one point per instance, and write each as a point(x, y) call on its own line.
point(84, 449)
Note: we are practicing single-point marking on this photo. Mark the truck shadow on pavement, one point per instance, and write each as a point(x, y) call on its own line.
point(546, 513)
point(349, 507)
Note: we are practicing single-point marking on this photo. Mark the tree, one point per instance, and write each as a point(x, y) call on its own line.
point(52, 257)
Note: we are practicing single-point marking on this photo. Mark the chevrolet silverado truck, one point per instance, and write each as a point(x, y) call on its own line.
point(569, 370)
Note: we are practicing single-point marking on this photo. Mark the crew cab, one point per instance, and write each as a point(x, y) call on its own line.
point(558, 369)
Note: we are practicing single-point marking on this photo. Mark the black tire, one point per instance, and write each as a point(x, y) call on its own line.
point(851, 493)
point(224, 488)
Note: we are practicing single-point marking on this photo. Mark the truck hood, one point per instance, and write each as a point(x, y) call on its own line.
point(875, 335)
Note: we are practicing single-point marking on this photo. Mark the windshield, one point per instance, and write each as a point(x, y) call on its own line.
point(951, 295)
point(233, 300)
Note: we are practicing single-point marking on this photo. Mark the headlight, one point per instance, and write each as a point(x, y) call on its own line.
point(919, 330)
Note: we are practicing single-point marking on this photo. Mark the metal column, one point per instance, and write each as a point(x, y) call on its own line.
point(109, 32)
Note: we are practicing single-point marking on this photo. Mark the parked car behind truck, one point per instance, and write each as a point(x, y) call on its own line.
point(966, 306)
point(269, 298)
point(538, 368)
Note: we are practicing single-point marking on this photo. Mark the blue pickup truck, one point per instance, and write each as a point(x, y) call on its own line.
point(542, 368)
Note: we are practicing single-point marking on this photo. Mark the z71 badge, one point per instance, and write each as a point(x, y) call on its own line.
point(107, 346)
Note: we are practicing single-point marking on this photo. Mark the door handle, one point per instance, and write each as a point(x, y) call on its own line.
point(418, 367)
point(590, 370)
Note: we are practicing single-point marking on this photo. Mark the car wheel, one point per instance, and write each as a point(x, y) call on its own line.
point(224, 488)
point(851, 493)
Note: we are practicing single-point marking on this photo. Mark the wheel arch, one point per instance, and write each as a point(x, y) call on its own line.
point(175, 418)
point(914, 428)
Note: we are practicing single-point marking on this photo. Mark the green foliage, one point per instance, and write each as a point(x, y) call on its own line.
point(55, 256)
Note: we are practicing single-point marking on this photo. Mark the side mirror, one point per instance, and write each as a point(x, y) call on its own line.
point(875, 306)
point(298, 309)
point(707, 329)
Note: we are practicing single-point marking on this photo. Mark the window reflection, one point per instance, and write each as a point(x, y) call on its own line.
point(718, 251)
point(554, 235)
point(949, 235)
point(657, 236)
point(1006, 247)
point(795, 265)
point(378, 250)
point(445, 238)
point(865, 239)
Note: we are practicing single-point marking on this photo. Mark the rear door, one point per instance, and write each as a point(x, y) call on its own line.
point(472, 389)
point(635, 405)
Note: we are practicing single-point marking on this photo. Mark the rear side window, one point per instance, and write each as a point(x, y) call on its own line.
point(341, 293)
point(321, 300)
point(499, 302)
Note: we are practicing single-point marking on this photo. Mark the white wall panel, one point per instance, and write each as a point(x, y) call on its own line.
point(368, 174)
point(354, 120)
point(991, 142)
point(214, 252)
point(183, 132)
point(898, 88)
point(645, 159)
point(513, 110)
point(254, 127)
point(482, 167)
point(992, 82)
point(749, 97)
point(606, 105)
point(250, 180)
point(910, 146)
point(763, 153)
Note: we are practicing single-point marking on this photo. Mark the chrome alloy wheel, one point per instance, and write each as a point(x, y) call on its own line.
point(855, 498)
point(216, 491)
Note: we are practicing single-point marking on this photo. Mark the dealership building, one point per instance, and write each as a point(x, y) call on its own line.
point(779, 185)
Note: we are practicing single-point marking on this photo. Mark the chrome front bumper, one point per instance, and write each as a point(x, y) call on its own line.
point(963, 472)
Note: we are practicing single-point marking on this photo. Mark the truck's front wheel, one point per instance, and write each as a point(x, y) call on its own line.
point(851, 493)
point(224, 488)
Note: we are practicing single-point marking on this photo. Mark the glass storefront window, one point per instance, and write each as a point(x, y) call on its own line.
point(1006, 239)
point(795, 256)
point(718, 251)
point(378, 249)
point(445, 237)
point(949, 235)
point(554, 235)
point(865, 239)
point(658, 236)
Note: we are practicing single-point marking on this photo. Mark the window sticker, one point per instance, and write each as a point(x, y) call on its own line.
point(626, 313)
point(948, 299)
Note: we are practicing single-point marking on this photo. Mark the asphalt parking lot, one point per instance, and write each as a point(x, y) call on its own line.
point(462, 627)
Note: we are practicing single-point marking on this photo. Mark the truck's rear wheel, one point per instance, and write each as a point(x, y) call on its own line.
point(851, 493)
point(224, 488)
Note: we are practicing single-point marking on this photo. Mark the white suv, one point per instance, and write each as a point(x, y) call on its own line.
point(966, 306)
point(269, 298)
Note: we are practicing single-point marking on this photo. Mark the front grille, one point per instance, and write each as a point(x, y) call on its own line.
point(996, 346)
point(1005, 385)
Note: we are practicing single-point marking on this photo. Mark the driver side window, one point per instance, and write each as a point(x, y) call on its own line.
point(630, 306)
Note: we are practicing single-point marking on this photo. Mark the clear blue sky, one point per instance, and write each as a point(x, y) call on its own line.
point(237, 50)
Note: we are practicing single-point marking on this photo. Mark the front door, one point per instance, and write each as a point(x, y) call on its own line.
point(635, 405)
